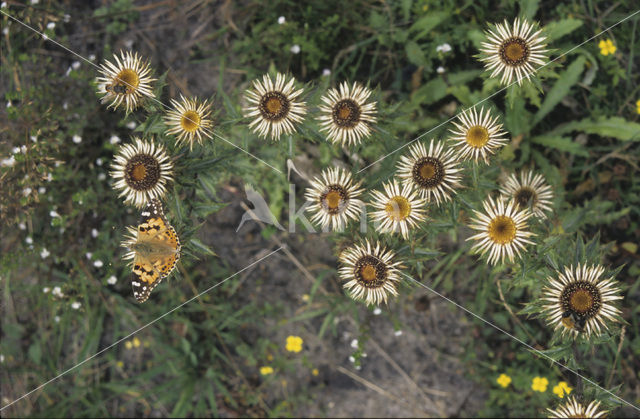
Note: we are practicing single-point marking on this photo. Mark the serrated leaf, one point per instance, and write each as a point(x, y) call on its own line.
point(561, 143)
point(561, 88)
point(528, 8)
point(557, 29)
point(615, 127)
point(203, 248)
point(415, 54)
point(426, 24)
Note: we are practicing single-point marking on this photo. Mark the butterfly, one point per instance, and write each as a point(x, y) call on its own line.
point(154, 248)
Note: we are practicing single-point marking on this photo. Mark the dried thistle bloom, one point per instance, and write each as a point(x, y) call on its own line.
point(274, 106)
point(397, 209)
point(477, 135)
point(141, 171)
point(334, 198)
point(512, 50)
point(434, 173)
point(189, 120)
point(126, 82)
point(581, 300)
point(503, 230)
point(529, 192)
point(346, 115)
point(370, 271)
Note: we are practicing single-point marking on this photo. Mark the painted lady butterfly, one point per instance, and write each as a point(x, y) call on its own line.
point(155, 249)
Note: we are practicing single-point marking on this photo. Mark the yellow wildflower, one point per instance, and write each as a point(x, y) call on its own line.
point(294, 344)
point(128, 344)
point(266, 370)
point(120, 364)
point(269, 357)
point(136, 342)
point(315, 372)
point(305, 298)
point(638, 106)
point(539, 384)
point(561, 389)
point(606, 47)
point(504, 380)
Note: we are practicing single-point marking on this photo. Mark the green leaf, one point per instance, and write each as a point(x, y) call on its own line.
point(528, 8)
point(203, 248)
point(415, 54)
point(427, 23)
point(561, 143)
point(561, 88)
point(557, 29)
point(432, 91)
point(615, 127)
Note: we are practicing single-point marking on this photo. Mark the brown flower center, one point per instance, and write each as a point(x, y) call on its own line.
point(477, 136)
point(274, 106)
point(514, 51)
point(190, 121)
point(428, 172)
point(582, 298)
point(502, 229)
point(126, 81)
point(334, 199)
point(524, 196)
point(398, 208)
point(142, 172)
point(370, 271)
point(346, 113)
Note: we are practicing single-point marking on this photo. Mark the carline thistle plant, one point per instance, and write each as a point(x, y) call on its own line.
point(431, 173)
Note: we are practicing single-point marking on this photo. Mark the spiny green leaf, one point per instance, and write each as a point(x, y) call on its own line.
point(561, 143)
point(561, 88)
point(615, 127)
point(557, 29)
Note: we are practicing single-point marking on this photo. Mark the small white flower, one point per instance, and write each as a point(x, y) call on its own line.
point(44, 253)
point(131, 125)
point(42, 190)
point(23, 149)
point(77, 139)
point(295, 49)
point(98, 264)
point(443, 48)
point(114, 139)
point(56, 319)
point(398, 332)
point(99, 161)
point(49, 177)
point(88, 255)
point(281, 20)
point(94, 233)
point(22, 226)
point(67, 18)
point(2, 356)
point(92, 57)
point(34, 138)
point(326, 72)
point(377, 311)
point(358, 367)
point(5, 32)
point(15, 150)
point(65, 105)
point(75, 65)
point(440, 70)
point(46, 289)
point(27, 191)
point(112, 280)
point(352, 359)
point(75, 305)
point(29, 240)
point(3, 5)
point(102, 176)
point(57, 291)
point(53, 213)
point(354, 344)
point(8, 162)
point(35, 1)
point(51, 25)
